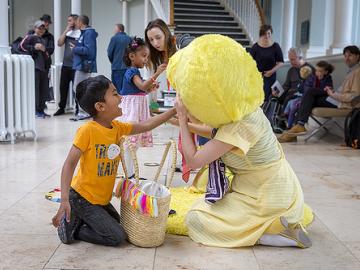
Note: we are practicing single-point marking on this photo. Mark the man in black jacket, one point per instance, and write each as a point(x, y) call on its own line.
point(34, 45)
point(49, 45)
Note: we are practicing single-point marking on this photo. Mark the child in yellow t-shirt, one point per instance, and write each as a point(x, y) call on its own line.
point(85, 212)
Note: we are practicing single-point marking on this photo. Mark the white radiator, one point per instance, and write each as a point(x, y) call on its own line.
point(17, 97)
point(55, 73)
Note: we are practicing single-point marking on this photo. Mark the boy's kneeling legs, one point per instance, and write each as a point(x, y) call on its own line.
point(100, 226)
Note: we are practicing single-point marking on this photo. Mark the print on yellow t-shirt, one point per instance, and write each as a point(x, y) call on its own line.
point(96, 175)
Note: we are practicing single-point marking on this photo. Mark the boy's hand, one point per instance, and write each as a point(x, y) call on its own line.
point(64, 209)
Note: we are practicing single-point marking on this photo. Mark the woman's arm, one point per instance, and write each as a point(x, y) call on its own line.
point(211, 151)
point(201, 130)
point(274, 69)
point(152, 122)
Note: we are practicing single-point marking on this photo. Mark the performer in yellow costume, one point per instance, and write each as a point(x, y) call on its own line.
point(219, 85)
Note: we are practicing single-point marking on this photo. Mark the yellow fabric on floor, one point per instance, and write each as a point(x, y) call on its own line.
point(182, 198)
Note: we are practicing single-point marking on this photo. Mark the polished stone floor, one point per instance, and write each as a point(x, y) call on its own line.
point(329, 175)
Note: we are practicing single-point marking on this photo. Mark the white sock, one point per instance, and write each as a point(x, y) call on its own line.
point(276, 240)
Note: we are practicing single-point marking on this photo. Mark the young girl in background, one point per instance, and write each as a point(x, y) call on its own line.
point(134, 90)
point(320, 80)
point(315, 82)
point(293, 105)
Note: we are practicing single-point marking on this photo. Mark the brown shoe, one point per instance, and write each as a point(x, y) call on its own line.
point(286, 138)
point(297, 130)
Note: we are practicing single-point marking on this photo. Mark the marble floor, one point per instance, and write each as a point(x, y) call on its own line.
point(328, 173)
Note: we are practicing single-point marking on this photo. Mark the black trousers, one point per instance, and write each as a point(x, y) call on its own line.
point(66, 76)
point(41, 89)
point(100, 224)
point(314, 97)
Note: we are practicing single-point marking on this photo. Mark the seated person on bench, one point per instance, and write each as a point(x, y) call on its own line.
point(349, 89)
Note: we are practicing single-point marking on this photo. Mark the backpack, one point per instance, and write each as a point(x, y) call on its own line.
point(352, 129)
point(182, 40)
point(16, 46)
point(271, 109)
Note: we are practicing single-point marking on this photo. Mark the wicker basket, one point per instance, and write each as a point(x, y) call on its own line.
point(145, 230)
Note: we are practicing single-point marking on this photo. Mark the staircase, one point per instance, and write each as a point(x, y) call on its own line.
point(200, 17)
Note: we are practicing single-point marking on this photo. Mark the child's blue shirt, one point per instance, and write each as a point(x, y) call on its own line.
point(128, 87)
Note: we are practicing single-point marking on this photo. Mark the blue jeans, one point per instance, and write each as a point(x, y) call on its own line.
point(99, 223)
point(117, 77)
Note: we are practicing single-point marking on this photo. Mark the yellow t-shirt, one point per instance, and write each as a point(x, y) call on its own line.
point(96, 176)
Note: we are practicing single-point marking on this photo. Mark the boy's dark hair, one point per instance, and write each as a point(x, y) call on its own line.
point(135, 44)
point(90, 91)
point(264, 28)
point(84, 19)
point(352, 49)
point(326, 66)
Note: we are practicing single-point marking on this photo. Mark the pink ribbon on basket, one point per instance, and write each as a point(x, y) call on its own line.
point(185, 169)
point(140, 201)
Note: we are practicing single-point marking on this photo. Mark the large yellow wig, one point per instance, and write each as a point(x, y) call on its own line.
point(217, 79)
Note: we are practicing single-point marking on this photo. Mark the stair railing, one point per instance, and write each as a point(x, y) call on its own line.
point(164, 10)
point(249, 13)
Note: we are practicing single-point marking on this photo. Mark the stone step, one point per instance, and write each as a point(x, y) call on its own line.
point(199, 27)
point(200, 11)
point(201, 2)
point(205, 22)
point(181, 15)
point(234, 35)
point(198, 6)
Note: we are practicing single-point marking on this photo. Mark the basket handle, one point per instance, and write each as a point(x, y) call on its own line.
point(134, 158)
point(173, 164)
point(171, 144)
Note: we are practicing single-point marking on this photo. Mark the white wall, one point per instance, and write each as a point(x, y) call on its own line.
point(27, 12)
point(105, 14)
point(303, 14)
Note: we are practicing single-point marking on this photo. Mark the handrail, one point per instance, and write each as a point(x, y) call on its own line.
point(260, 11)
point(249, 13)
point(172, 20)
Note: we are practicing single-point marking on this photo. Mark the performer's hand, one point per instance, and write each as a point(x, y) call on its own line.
point(180, 109)
point(174, 121)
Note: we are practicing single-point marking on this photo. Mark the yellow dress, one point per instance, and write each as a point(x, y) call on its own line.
point(264, 188)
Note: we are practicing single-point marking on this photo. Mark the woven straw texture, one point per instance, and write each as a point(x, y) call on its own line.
point(144, 230)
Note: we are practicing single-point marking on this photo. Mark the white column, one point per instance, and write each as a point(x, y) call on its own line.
point(343, 25)
point(287, 26)
point(76, 7)
point(57, 30)
point(4, 27)
point(321, 28)
point(146, 12)
point(124, 14)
